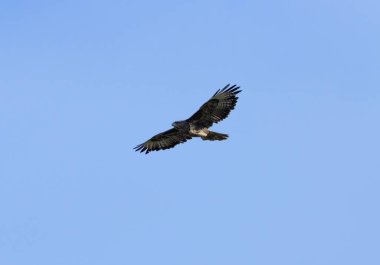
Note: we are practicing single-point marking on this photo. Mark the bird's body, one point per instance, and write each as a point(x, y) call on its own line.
point(200, 133)
point(213, 111)
point(190, 128)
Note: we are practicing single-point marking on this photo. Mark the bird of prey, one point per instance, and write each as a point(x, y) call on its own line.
point(213, 111)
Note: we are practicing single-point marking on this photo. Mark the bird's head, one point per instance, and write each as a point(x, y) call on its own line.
point(180, 125)
point(176, 124)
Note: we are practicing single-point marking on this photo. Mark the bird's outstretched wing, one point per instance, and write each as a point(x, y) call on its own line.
point(217, 108)
point(162, 141)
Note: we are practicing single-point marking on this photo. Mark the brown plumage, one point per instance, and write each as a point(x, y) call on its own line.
point(216, 109)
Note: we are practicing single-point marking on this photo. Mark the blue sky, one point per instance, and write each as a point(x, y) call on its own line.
point(83, 82)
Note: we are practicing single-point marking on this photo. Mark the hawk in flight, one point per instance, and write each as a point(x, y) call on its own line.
point(213, 111)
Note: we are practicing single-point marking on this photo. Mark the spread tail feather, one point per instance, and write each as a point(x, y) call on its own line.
point(212, 136)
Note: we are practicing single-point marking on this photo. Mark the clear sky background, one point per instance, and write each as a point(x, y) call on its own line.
point(83, 82)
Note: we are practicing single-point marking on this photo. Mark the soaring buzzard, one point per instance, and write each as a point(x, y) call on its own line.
point(213, 111)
